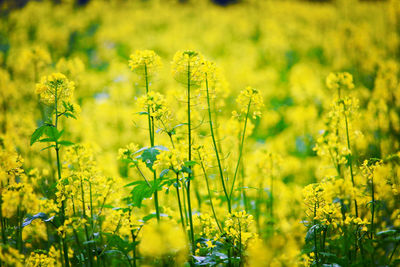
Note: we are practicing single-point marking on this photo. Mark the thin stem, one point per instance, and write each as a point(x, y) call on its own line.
point(209, 193)
point(179, 201)
point(221, 173)
point(89, 246)
point(315, 238)
point(394, 250)
point(240, 150)
point(57, 148)
point(190, 158)
point(3, 233)
point(151, 132)
point(373, 206)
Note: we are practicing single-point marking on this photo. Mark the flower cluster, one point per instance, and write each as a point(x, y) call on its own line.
point(188, 67)
point(247, 99)
point(156, 105)
point(340, 80)
point(145, 62)
point(171, 159)
point(127, 152)
point(238, 228)
point(55, 88)
point(41, 259)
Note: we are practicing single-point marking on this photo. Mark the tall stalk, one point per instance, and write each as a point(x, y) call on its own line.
point(240, 150)
point(90, 256)
point(151, 133)
point(349, 148)
point(221, 173)
point(209, 193)
point(189, 158)
point(57, 148)
point(179, 201)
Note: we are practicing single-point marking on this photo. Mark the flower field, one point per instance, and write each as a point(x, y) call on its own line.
point(194, 133)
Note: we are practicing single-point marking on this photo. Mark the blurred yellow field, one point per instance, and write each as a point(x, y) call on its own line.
point(200, 133)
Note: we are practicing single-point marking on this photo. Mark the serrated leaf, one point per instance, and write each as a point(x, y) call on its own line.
point(149, 156)
point(140, 192)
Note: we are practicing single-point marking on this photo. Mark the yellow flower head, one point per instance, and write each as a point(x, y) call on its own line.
point(145, 62)
point(339, 80)
point(54, 88)
point(156, 104)
point(172, 159)
point(248, 98)
point(40, 259)
point(188, 67)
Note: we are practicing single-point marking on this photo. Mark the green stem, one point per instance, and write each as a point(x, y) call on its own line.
point(89, 246)
point(3, 232)
point(351, 155)
point(209, 193)
point(179, 201)
point(272, 193)
point(315, 238)
point(151, 132)
point(190, 158)
point(240, 150)
point(57, 148)
point(221, 173)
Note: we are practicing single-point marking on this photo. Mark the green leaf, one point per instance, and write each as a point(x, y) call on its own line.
point(140, 192)
point(190, 163)
point(65, 143)
point(46, 140)
point(89, 242)
point(152, 216)
point(186, 169)
point(47, 147)
point(37, 134)
point(52, 133)
point(41, 215)
point(149, 156)
point(311, 232)
point(163, 173)
point(133, 183)
point(69, 115)
point(386, 233)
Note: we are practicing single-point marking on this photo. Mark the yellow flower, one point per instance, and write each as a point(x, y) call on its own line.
point(249, 97)
point(126, 153)
point(340, 80)
point(145, 62)
point(55, 88)
point(172, 159)
point(188, 67)
point(40, 259)
point(156, 104)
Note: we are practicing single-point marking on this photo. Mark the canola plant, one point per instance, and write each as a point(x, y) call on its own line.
point(184, 133)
